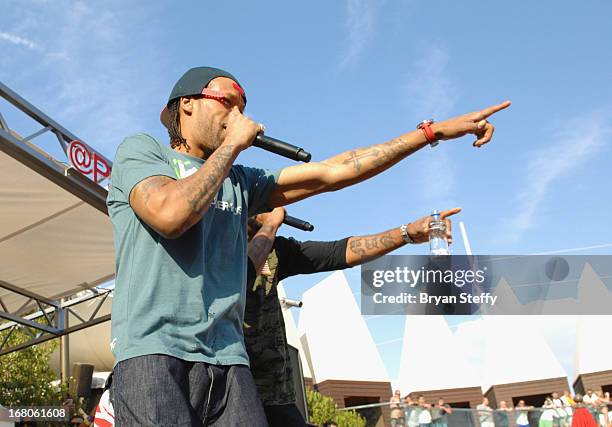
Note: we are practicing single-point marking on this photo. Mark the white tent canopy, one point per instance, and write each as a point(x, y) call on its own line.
point(52, 243)
point(56, 238)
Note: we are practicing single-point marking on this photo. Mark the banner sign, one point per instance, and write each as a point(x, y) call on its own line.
point(500, 284)
point(88, 162)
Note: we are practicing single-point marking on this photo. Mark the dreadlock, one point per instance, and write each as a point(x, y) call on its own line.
point(174, 126)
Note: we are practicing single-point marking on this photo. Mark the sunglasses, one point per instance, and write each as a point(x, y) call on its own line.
point(227, 100)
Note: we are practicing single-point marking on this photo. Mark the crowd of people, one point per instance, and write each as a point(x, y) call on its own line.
point(416, 412)
point(588, 410)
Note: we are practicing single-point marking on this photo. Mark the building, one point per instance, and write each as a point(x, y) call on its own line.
point(342, 355)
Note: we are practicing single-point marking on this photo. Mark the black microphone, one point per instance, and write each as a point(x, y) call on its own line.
point(282, 148)
point(298, 223)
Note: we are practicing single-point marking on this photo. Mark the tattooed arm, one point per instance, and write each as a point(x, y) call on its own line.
point(362, 249)
point(261, 243)
point(301, 181)
point(170, 206)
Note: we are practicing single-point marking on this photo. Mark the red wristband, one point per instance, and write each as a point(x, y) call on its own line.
point(429, 135)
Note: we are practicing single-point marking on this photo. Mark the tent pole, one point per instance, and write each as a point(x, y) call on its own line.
point(64, 345)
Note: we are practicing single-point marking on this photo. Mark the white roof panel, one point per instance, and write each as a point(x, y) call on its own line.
point(339, 342)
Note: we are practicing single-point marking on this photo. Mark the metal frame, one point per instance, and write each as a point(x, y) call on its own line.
point(63, 135)
point(31, 156)
point(50, 321)
point(52, 318)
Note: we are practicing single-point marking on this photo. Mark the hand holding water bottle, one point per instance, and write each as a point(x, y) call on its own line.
point(420, 230)
point(439, 234)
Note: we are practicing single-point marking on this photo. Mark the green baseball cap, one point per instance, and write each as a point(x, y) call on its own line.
point(192, 83)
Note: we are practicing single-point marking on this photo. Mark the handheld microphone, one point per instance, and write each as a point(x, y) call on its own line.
point(282, 148)
point(288, 303)
point(298, 223)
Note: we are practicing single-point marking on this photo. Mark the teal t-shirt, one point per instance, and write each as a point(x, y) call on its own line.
point(182, 297)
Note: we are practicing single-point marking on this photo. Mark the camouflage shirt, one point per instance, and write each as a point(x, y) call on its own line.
point(264, 327)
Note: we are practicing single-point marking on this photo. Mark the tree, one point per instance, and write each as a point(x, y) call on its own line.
point(27, 379)
point(322, 408)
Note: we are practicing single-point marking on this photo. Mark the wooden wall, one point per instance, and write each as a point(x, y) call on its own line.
point(508, 392)
point(592, 380)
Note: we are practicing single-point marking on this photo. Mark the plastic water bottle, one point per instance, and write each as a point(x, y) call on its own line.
point(438, 245)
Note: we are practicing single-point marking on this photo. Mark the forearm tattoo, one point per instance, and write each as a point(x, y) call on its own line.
point(371, 243)
point(370, 247)
point(355, 247)
point(387, 240)
point(381, 154)
point(261, 245)
point(354, 157)
point(200, 188)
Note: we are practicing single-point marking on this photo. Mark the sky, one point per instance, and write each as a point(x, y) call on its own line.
point(332, 76)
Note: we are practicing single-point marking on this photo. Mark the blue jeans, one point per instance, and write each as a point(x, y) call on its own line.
point(160, 390)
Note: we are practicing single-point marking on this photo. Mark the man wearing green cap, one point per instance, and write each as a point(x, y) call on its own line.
point(179, 218)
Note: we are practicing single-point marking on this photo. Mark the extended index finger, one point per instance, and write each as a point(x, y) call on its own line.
point(483, 114)
point(445, 214)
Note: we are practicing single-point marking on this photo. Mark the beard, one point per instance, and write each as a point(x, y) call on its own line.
point(210, 136)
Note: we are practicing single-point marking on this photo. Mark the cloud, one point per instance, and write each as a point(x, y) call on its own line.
point(360, 26)
point(572, 144)
point(93, 75)
point(16, 40)
point(431, 93)
point(438, 178)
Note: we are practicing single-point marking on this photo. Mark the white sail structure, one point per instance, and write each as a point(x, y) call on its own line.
point(432, 358)
point(509, 349)
point(592, 337)
point(337, 337)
